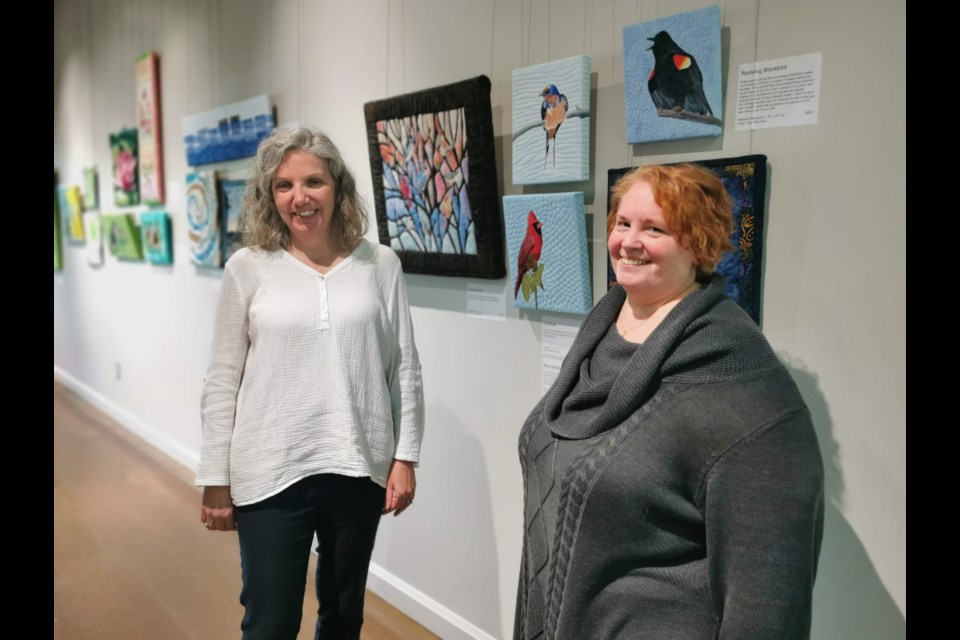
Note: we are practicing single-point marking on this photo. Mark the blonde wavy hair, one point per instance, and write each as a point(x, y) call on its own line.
point(262, 225)
point(695, 207)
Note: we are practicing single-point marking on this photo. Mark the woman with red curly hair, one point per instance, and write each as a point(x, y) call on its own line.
point(673, 480)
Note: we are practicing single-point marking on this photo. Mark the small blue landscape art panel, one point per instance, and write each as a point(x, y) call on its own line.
point(547, 252)
point(203, 226)
point(551, 122)
point(672, 78)
point(231, 206)
point(228, 132)
point(745, 179)
point(155, 226)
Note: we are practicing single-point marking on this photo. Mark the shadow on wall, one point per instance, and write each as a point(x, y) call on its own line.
point(456, 558)
point(437, 292)
point(849, 600)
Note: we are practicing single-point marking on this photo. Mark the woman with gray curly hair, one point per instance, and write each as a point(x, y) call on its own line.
point(312, 408)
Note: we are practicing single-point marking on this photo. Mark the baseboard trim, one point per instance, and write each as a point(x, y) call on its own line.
point(132, 423)
point(421, 607)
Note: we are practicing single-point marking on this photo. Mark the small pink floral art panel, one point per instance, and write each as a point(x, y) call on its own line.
point(123, 149)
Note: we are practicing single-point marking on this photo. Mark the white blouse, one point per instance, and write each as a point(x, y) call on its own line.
point(309, 373)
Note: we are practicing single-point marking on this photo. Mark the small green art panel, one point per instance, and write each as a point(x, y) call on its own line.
point(547, 250)
point(156, 237)
point(123, 237)
point(94, 232)
point(91, 182)
point(123, 150)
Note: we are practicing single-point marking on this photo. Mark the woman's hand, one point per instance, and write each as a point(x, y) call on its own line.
point(401, 485)
point(216, 510)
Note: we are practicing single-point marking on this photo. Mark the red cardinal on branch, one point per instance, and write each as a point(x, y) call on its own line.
point(530, 250)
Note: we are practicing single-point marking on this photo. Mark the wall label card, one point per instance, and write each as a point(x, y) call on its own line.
point(779, 93)
point(558, 337)
point(486, 300)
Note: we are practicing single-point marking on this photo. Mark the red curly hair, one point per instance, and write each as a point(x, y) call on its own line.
point(695, 206)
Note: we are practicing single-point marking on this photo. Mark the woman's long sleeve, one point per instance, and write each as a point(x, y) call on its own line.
point(406, 387)
point(220, 390)
point(764, 521)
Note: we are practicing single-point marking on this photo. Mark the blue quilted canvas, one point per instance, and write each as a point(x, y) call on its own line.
point(547, 252)
point(551, 122)
point(672, 79)
point(203, 226)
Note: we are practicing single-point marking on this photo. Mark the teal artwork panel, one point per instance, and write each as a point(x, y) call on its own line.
point(157, 246)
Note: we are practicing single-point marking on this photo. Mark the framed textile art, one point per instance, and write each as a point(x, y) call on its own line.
point(551, 122)
point(149, 131)
point(745, 178)
point(123, 237)
point(672, 77)
point(123, 150)
point(547, 250)
point(155, 226)
point(435, 179)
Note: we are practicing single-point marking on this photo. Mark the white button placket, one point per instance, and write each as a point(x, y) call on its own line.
point(324, 306)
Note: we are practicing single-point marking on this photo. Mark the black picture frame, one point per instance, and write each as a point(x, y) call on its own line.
point(422, 202)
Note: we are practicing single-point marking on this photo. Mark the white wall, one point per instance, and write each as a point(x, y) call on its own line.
point(834, 290)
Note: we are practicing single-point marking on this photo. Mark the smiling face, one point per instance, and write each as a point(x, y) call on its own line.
point(304, 191)
point(650, 262)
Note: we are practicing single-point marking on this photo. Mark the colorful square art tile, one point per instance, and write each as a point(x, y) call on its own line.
point(547, 252)
point(203, 227)
point(551, 122)
point(123, 236)
point(123, 150)
point(71, 206)
point(672, 78)
point(157, 246)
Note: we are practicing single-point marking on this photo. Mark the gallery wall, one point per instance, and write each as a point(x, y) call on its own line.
point(134, 338)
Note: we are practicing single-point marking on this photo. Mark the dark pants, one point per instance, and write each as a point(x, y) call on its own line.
point(275, 537)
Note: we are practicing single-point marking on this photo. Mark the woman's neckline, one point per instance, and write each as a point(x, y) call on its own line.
point(318, 270)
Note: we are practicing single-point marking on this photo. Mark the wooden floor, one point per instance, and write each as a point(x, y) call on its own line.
point(130, 557)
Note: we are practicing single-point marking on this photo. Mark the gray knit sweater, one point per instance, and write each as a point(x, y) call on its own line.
point(694, 506)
